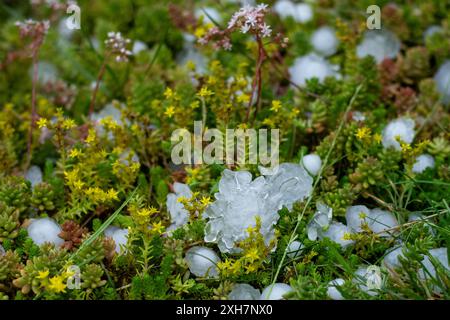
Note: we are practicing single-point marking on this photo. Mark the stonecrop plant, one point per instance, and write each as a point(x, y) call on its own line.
point(94, 207)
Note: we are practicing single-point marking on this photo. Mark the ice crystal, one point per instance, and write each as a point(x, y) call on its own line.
point(356, 216)
point(294, 249)
point(337, 232)
point(332, 290)
point(312, 163)
point(202, 262)
point(120, 237)
point(423, 162)
point(240, 200)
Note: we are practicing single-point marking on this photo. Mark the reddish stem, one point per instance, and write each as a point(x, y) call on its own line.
point(33, 107)
point(97, 85)
point(257, 79)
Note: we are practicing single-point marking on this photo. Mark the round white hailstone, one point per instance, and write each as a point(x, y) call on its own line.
point(380, 44)
point(332, 291)
point(208, 13)
point(275, 291)
point(312, 66)
point(324, 41)
point(358, 116)
point(294, 249)
point(356, 216)
point(110, 231)
point(243, 291)
point(422, 162)
point(440, 254)
point(138, 47)
point(45, 230)
point(431, 30)
point(362, 278)
point(391, 260)
point(202, 262)
point(337, 232)
point(178, 214)
point(120, 238)
point(65, 32)
point(303, 13)
point(312, 163)
point(442, 79)
point(319, 222)
point(381, 220)
point(402, 128)
point(284, 8)
point(34, 175)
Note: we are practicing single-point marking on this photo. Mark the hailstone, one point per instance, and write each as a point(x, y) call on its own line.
point(294, 249)
point(423, 162)
point(356, 216)
point(320, 222)
point(332, 291)
point(243, 291)
point(240, 200)
point(275, 291)
point(34, 175)
point(442, 79)
point(45, 230)
point(402, 128)
point(179, 215)
point(440, 254)
point(380, 220)
point(380, 44)
point(324, 41)
point(337, 232)
point(312, 66)
point(202, 262)
point(312, 163)
point(120, 237)
point(391, 258)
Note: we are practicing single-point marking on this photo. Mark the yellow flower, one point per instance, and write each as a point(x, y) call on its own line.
point(276, 105)
point(43, 274)
point(205, 92)
point(252, 254)
point(158, 227)
point(195, 104)
point(205, 201)
point(146, 212)
point(269, 122)
point(57, 284)
point(78, 184)
point(363, 133)
point(250, 268)
point(68, 124)
point(113, 194)
point(170, 111)
point(243, 98)
point(42, 122)
point(74, 153)
point(168, 93)
point(91, 136)
point(251, 229)
point(377, 138)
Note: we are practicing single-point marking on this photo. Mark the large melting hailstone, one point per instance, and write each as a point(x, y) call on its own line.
point(380, 44)
point(312, 66)
point(45, 230)
point(240, 200)
point(402, 128)
point(202, 262)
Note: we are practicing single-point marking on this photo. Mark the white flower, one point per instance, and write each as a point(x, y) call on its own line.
point(422, 162)
point(275, 291)
point(380, 44)
point(240, 200)
point(312, 66)
point(401, 128)
point(265, 30)
point(179, 215)
point(320, 222)
point(202, 262)
point(243, 291)
point(442, 79)
point(324, 41)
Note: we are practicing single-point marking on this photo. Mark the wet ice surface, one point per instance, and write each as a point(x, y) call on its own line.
point(333, 291)
point(402, 128)
point(312, 66)
point(356, 216)
point(34, 175)
point(45, 230)
point(202, 262)
point(243, 291)
point(275, 291)
point(320, 222)
point(380, 221)
point(391, 259)
point(240, 200)
point(179, 215)
point(380, 44)
point(312, 163)
point(294, 249)
point(423, 162)
point(440, 254)
point(442, 79)
point(336, 232)
point(324, 41)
